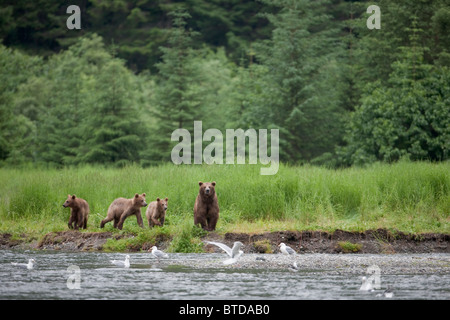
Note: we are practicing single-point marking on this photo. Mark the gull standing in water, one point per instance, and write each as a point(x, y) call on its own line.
point(158, 254)
point(234, 252)
point(120, 263)
point(388, 293)
point(28, 265)
point(286, 250)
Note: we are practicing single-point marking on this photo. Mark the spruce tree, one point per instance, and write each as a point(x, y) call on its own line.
point(59, 134)
point(408, 116)
point(69, 96)
point(114, 131)
point(302, 78)
point(176, 100)
point(17, 131)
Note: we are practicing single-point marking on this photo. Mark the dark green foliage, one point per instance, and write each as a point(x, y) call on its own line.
point(339, 93)
point(119, 130)
point(138, 25)
point(177, 102)
point(409, 116)
point(81, 108)
point(411, 119)
point(300, 56)
point(16, 127)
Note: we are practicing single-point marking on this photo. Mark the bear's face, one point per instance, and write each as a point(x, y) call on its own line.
point(139, 200)
point(70, 201)
point(162, 204)
point(207, 188)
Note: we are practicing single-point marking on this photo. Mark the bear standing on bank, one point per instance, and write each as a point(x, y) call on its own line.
point(122, 208)
point(206, 208)
point(156, 212)
point(79, 211)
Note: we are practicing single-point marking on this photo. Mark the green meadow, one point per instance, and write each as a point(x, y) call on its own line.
point(406, 196)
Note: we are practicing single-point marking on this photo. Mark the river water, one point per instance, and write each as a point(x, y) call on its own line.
point(89, 275)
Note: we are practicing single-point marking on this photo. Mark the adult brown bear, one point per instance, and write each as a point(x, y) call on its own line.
point(206, 208)
point(79, 212)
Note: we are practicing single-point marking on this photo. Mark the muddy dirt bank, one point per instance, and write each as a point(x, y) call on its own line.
point(370, 241)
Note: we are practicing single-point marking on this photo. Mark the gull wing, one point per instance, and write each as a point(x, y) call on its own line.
point(118, 263)
point(224, 247)
point(235, 252)
point(290, 250)
point(230, 261)
point(20, 265)
point(160, 254)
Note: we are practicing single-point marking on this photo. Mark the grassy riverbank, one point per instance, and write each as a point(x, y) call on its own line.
point(410, 197)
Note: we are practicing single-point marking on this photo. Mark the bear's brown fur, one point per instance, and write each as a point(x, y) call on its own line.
point(79, 212)
point(206, 208)
point(156, 212)
point(122, 208)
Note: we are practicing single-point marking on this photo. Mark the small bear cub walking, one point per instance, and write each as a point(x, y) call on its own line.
point(156, 212)
point(122, 208)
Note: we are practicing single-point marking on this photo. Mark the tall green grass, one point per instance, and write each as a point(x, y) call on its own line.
point(411, 197)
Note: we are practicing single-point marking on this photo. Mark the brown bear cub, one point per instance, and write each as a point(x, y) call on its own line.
point(206, 208)
point(156, 212)
point(79, 211)
point(122, 208)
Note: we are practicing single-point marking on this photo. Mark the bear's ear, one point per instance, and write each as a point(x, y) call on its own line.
point(73, 197)
point(167, 199)
point(143, 194)
point(136, 195)
point(200, 183)
point(158, 199)
point(213, 183)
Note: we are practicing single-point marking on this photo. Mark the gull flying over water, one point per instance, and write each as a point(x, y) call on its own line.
point(234, 252)
point(285, 249)
point(120, 263)
point(366, 285)
point(28, 265)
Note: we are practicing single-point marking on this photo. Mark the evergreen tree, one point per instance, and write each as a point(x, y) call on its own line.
point(90, 113)
point(408, 117)
point(114, 131)
point(60, 123)
point(377, 50)
point(16, 130)
point(68, 100)
point(177, 102)
point(299, 58)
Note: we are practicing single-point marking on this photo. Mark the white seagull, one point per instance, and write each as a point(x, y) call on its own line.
point(234, 252)
point(285, 249)
point(366, 284)
point(120, 263)
point(294, 267)
point(158, 254)
point(28, 265)
point(388, 293)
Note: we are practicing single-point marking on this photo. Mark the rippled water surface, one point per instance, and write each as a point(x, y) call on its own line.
point(148, 279)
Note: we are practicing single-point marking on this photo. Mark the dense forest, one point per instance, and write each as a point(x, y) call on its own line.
point(112, 93)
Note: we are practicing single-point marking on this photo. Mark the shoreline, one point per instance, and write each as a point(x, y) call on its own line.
point(380, 241)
